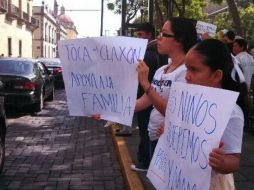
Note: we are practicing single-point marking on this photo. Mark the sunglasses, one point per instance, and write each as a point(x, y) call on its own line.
point(165, 35)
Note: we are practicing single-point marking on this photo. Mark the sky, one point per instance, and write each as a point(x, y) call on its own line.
point(88, 23)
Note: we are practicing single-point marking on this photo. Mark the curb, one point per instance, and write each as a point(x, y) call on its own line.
point(131, 178)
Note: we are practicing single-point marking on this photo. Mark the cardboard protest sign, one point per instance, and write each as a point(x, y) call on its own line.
point(100, 76)
point(204, 27)
point(196, 118)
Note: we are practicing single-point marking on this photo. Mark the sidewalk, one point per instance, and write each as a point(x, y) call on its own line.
point(244, 178)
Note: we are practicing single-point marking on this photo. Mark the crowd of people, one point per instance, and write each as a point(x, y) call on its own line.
point(220, 63)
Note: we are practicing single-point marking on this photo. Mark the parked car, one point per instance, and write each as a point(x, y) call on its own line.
point(55, 67)
point(26, 82)
point(3, 125)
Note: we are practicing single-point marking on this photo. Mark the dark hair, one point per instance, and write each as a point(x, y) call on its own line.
point(147, 27)
point(217, 56)
point(184, 31)
point(230, 34)
point(242, 43)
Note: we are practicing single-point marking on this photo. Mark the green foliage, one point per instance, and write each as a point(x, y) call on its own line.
point(247, 18)
point(114, 5)
point(217, 1)
point(224, 21)
point(194, 9)
point(244, 3)
point(133, 6)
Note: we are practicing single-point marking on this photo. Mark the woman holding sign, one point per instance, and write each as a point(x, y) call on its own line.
point(178, 35)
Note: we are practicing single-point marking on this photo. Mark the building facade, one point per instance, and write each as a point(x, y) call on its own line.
point(53, 27)
point(32, 31)
point(67, 22)
point(45, 36)
point(16, 28)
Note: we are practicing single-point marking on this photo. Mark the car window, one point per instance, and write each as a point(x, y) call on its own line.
point(51, 62)
point(15, 67)
point(42, 69)
point(36, 70)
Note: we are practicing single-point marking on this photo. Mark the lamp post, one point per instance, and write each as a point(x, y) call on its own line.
point(123, 24)
point(102, 11)
point(150, 11)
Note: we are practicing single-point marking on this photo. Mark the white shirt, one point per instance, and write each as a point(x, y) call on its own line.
point(246, 62)
point(161, 83)
point(232, 138)
point(233, 133)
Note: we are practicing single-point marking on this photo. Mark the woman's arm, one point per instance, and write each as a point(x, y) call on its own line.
point(224, 163)
point(142, 103)
point(159, 103)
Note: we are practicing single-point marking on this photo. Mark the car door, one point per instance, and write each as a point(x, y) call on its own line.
point(2, 129)
point(47, 77)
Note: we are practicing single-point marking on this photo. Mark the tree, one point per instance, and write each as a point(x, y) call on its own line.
point(224, 20)
point(244, 3)
point(235, 16)
point(233, 11)
point(185, 8)
point(133, 6)
point(247, 18)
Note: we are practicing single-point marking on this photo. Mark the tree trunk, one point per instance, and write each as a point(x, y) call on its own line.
point(235, 15)
point(159, 16)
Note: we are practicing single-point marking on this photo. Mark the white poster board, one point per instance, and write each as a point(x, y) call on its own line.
point(196, 118)
point(204, 27)
point(100, 76)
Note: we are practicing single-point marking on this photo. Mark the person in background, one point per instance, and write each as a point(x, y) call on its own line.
point(246, 61)
point(228, 39)
point(178, 35)
point(251, 51)
point(153, 60)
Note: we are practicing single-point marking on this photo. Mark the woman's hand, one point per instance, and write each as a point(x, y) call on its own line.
point(143, 71)
point(96, 117)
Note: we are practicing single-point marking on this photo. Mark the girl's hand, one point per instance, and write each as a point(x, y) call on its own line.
point(160, 130)
point(143, 71)
point(96, 117)
point(217, 158)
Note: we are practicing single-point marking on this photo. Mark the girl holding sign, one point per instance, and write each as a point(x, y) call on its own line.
point(210, 63)
point(178, 35)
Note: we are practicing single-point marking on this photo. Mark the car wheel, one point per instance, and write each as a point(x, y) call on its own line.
point(2, 154)
point(52, 95)
point(39, 105)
